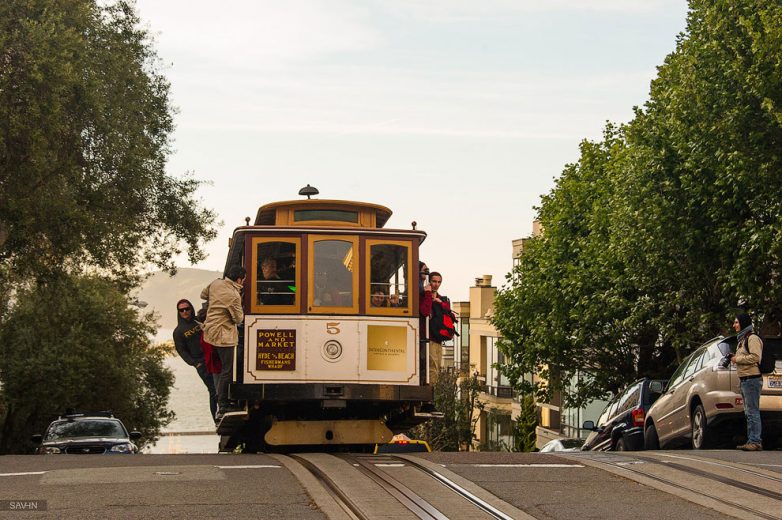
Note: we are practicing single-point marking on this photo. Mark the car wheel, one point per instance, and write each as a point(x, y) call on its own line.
point(620, 445)
point(700, 436)
point(651, 441)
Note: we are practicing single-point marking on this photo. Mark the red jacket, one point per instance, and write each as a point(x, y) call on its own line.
point(425, 304)
point(212, 362)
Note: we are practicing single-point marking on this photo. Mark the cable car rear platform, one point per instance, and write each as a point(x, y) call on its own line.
point(329, 413)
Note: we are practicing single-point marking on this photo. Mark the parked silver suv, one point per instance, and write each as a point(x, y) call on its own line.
point(702, 402)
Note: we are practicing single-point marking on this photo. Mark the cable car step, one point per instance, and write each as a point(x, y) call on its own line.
point(231, 421)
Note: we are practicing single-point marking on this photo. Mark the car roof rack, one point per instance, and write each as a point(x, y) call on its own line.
point(71, 414)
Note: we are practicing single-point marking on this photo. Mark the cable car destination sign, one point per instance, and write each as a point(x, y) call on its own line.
point(276, 349)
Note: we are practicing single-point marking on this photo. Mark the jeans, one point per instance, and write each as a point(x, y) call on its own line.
point(750, 391)
point(223, 379)
point(209, 381)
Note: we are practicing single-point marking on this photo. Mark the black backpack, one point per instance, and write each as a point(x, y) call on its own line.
point(442, 323)
point(767, 361)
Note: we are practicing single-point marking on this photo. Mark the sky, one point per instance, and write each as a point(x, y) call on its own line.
point(456, 114)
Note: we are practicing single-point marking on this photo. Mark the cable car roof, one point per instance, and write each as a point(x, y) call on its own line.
point(270, 214)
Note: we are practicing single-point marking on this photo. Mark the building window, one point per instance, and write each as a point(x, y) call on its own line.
point(461, 348)
point(499, 431)
point(495, 358)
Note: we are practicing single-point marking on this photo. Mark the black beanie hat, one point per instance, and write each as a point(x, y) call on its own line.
point(744, 320)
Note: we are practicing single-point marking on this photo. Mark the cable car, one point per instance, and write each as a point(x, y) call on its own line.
point(330, 350)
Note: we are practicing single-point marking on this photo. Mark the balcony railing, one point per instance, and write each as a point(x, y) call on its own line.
point(505, 392)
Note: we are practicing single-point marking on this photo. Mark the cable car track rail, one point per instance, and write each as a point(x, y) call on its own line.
point(481, 504)
point(406, 496)
point(723, 464)
point(727, 481)
point(339, 496)
point(373, 467)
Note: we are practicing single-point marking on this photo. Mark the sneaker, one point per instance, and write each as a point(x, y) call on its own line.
point(742, 446)
point(751, 446)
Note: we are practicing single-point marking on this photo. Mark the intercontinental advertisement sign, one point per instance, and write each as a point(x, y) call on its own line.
point(386, 348)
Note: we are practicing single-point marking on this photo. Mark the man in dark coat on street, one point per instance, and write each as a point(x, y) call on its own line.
point(187, 340)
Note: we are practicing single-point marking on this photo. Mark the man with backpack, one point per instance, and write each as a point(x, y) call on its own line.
point(441, 325)
point(747, 358)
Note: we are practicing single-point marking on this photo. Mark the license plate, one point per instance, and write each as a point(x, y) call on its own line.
point(774, 381)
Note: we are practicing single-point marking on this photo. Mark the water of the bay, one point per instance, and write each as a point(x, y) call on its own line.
point(191, 430)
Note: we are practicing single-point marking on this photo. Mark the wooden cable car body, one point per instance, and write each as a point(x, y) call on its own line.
point(320, 361)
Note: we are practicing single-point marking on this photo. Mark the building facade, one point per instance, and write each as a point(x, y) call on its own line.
point(476, 352)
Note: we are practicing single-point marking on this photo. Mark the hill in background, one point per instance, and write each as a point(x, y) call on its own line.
point(161, 292)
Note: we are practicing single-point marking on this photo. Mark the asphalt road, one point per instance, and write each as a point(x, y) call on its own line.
point(652, 485)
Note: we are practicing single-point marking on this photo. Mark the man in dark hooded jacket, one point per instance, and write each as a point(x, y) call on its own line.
point(187, 340)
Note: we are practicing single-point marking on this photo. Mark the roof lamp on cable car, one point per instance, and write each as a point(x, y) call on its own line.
point(309, 191)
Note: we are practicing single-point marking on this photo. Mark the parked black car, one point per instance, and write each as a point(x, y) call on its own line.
point(86, 434)
point(621, 425)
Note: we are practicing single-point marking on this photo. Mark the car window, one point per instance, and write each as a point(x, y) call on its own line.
point(680, 373)
point(606, 413)
point(651, 396)
point(712, 353)
point(694, 365)
point(628, 399)
point(697, 364)
point(85, 428)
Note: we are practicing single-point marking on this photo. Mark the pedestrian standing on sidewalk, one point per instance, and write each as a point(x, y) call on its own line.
point(747, 357)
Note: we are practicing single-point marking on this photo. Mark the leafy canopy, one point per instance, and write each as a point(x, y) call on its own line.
point(85, 208)
point(85, 120)
point(664, 226)
point(75, 343)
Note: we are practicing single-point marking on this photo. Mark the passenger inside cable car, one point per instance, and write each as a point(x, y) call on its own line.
point(274, 289)
point(381, 299)
point(389, 275)
point(333, 262)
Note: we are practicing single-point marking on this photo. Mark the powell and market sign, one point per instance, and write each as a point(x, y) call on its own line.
point(276, 349)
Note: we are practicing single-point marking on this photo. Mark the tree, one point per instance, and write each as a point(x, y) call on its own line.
point(524, 433)
point(457, 401)
point(662, 228)
point(76, 343)
point(85, 124)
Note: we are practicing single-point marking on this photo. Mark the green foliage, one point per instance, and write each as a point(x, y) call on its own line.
point(457, 401)
point(524, 435)
point(661, 228)
point(85, 124)
point(75, 343)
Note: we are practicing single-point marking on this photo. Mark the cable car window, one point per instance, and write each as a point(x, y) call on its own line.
point(388, 275)
point(275, 273)
point(333, 265)
point(304, 215)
